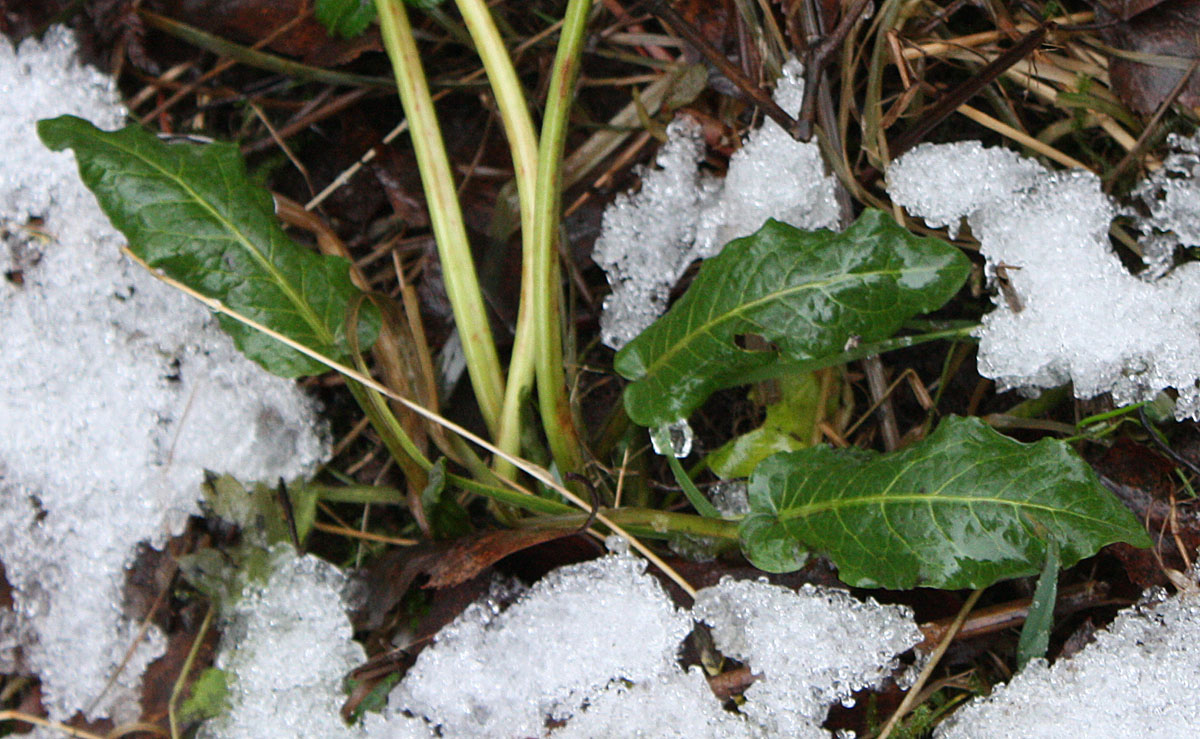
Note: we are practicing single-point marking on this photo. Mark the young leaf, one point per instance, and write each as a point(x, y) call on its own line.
point(345, 18)
point(190, 210)
point(209, 697)
point(962, 509)
point(787, 427)
point(1035, 634)
point(807, 292)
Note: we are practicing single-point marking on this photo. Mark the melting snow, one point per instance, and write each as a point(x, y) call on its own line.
point(1069, 311)
point(117, 393)
point(576, 631)
point(595, 645)
point(648, 239)
point(676, 705)
point(1139, 678)
point(812, 647)
point(1171, 197)
point(286, 647)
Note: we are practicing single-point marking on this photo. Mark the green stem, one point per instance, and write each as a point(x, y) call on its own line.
point(454, 250)
point(398, 443)
point(522, 141)
point(786, 367)
point(558, 421)
point(255, 58)
point(694, 496)
point(650, 523)
point(360, 494)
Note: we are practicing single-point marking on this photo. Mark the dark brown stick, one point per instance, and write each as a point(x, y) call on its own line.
point(748, 87)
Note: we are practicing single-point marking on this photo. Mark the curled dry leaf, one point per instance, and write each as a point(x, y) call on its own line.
point(445, 563)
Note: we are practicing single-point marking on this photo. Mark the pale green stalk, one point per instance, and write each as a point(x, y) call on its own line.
point(454, 250)
point(558, 420)
point(522, 141)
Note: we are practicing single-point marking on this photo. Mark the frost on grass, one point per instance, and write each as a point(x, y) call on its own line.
point(1067, 310)
point(648, 239)
point(116, 394)
point(812, 648)
point(286, 649)
point(575, 632)
point(1141, 677)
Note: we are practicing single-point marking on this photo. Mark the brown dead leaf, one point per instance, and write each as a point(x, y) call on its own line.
point(1143, 480)
point(472, 555)
point(446, 564)
point(247, 21)
point(1170, 30)
point(1126, 9)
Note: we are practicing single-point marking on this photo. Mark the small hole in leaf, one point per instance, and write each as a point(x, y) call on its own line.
point(753, 343)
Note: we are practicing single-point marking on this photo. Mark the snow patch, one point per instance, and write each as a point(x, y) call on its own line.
point(648, 239)
point(117, 393)
point(1141, 677)
point(1067, 310)
point(679, 705)
point(594, 645)
point(1171, 199)
point(812, 648)
point(286, 648)
point(577, 630)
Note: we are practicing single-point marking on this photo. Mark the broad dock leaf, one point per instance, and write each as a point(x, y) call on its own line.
point(807, 292)
point(962, 509)
point(189, 210)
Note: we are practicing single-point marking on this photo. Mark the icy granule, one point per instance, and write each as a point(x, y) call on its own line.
point(647, 240)
point(1067, 309)
point(812, 648)
point(117, 393)
point(573, 633)
point(772, 176)
point(935, 181)
point(1171, 197)
point(1139, 678)
point(677, 705)
point(286, 647)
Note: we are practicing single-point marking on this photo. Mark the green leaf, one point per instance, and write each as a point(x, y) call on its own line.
point(345, 18)
point(788, 427)
point(189, 210)
point(962, 509)
point(808, 292)
point(209, 697)
point(448, 519)
point(259, 516)
point(376, 700)
point(1035, 634)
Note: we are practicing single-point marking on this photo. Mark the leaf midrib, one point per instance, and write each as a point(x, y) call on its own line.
point(812, 509)
point(709, 325)
point(305, 309)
